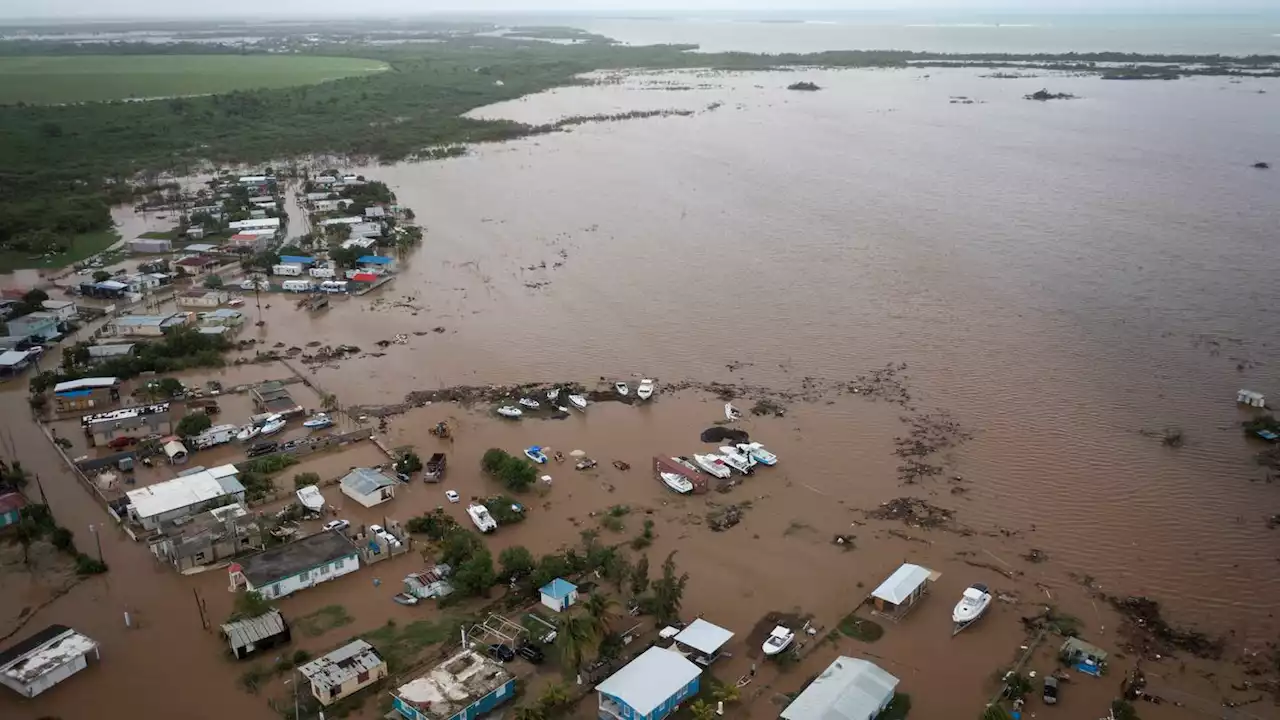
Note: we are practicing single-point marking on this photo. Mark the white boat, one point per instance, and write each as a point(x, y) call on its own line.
point(758, 453)
point(622, 388)
point(248, 432)
point(529, 403)
point(713, 464)
point(645, 391)
point(273, 425)
point(780, 639)
point(685, 462)
point(510, 412)
point(553, 393)
point(535, 454)
point(578, 401)
point(731, 413)
point(318, 421)
point(481, 517)
point(737, 459)
point(975, 601)
point(311, 498)
point(677, 482)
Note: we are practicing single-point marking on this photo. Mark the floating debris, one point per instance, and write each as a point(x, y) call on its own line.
point(1148, 634)
point(914, 512)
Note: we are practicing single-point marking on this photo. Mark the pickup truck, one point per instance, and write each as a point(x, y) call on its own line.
point(435, 468)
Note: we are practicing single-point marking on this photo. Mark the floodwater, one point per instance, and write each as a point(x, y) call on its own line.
point(1060, 277)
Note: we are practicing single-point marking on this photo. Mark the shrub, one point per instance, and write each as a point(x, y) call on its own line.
point(502, 508)
point(516, 561)
point(409, 463)
point(516, 473)
point(62, 539)
point(435, 524)
point(193, 424)
point(270, 464)
point(302, 480)
point(86, 565)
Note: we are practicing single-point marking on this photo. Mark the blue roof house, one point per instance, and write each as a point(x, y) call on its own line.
point(559, 594)
point(375, 263)
point(297, 259)
point(650, 687)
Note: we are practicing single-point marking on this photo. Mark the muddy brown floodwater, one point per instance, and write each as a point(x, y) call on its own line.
point(1064, 282)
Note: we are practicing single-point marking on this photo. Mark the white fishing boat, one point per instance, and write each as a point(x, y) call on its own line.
point(731, 413)
point(535, 454)
point(757, 452)
point(311, 498)
point(737, 459)
point(578, 401)
point(685, 462)
point(319, 421)
point(510, 412)
point(481, 517)
point(529, 403)
point(622, 388)
point(645, 390)
point(780, 639)
point(713, 464)
point(273, 425)
point(975, 601)
point(248, 432)
point(553, 393)
point(676, 482)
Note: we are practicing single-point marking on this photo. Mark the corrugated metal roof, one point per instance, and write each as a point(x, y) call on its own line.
point(904, 581)
point(849, 689)
point(244, 632)
point(704, 636)
point(650, 680)
point(365, 481)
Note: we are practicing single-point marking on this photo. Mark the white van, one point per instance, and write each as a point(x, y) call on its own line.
point(333, 286)
point(322, 272)
point(298, 286)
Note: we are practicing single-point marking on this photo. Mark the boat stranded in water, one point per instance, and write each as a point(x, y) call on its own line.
point(685, 462)
point(780, 639)
point(737, 459)
point(645, 391)
point(758, 453)
point(481, 517)
point(509, 411)
point(622, 388)
point(529, 403)
point(535, 454)
point(731, 413)
point(677, 482)
point(578, 401)
point(311, 498)
point(248, 432)
point(713, 464)
point(273, 425)
point(973, 603)
point(319, 421)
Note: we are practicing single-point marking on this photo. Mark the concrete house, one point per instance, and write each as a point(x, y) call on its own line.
point(144, 325)
point(183, 496)
point(202, 298)
point(102, 353)
point(273, 397)
point(64, 310)
point(344, 671)
point(702, 642)
point(369, 487)
point(135, 422)
point(85, 394)
point(222, 317)
point(45, 659)
point(463, 687)
point(43, 326)
point(650, 687)
point(251, 635)
point(559, 594)
point(849, 689)
point(215, 536)
point(298, 565)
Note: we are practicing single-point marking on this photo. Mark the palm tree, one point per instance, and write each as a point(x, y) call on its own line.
point(553, 697)
point(530, 712)
point(576, 638)
point(329, 402)
point(726, 693)
point(600, 608)
point(700, 710)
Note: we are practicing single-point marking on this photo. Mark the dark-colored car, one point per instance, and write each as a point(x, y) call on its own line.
point(532, 653)
point(1050, 690)
point(262, 448)
point(501, 653)
point(122, 442)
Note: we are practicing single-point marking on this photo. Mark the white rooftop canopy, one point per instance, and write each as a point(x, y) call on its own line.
point(902, 583)
point(704, 637)
point(849, 689)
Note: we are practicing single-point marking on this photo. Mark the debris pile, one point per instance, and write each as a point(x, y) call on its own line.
point(1035, 556)
point(768, 407)
point(719, 434)
point(1147, 633)
point(723, 518)
point(886, 384)
point(913, 512)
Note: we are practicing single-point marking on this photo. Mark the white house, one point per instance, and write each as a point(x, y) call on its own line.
point(186, 495)
point(64, 310)
point(352, 220)
point(368, 487)
point(849, 689)
point(143, 325)
point(365, 229)
point(289, 269)
point(344, 672)
point(256, 224)
point(559, 594)
point(45, 659)
point(286, 569)
point(202, 298)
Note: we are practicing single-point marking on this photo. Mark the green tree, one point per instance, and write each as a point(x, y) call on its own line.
point(302, 480)
point(600, 608)
point(668, 591)
point(616, 569)
point(640, 577)
point(250, 604)
point(409, 462)
point(995, 712)
point(75, 356)
point(193, 425)
point(459, 545)
point(549, 568)
point(516, 562)
point(170, 387)
point(101, 276)
point(213, 281)
point(329, 402)
point(556, 695)
point(701, 710)
point(726, 693)
point(345, 258)
point(530, 712)
point(1123, 710)
point(575, 640)
point(475, 576)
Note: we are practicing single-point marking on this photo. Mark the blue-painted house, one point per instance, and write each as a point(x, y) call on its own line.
point(559, 594)
point(650, 687)
point(11, 505)
point(463, 687)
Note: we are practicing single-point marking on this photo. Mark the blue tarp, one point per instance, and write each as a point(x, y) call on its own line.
point(297, 259)
point(74, 393)
point(374, 260)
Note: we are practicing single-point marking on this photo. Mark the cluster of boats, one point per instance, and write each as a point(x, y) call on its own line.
point(741, 458)
point(272, 423)
point(644, 391)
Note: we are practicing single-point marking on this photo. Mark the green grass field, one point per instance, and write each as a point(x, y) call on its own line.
point(82, 247)
point(47, 80)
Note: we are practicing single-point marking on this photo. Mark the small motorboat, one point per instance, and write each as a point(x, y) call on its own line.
point(780, 639)
point(319, 421)
point(685, 462)
point(273, 425)
point(677, 482)
point(248, 432)
point(509, 411)
point(529, 403)
point(758, 453)
point(578, 401)
point(553, 393)
point(585, 464)
point(975, 601)
point(731, 413)
point(563, 409)
point(737, 459)
point(645, 391)
point(235, 302)
point(535, 454)
point(405, 599)
point(622, 388)
point(481, 517)
point(713, 464)
point(311, 498)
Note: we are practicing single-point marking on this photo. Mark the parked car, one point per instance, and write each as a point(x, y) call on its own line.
point(451, 495)
point(1050, 690)
point(262, 448)
point(501, 653)
point(337, 525)
point(122, 442)
point(532, 653)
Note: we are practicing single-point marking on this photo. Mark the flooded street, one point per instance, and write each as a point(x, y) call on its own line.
point(1067, 280)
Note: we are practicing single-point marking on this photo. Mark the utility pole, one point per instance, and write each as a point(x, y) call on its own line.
point(204, 622)
point(98, 538)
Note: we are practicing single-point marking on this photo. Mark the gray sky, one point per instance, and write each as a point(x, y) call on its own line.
point(302, 9)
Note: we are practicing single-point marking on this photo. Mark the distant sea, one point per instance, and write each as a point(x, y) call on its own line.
point(955, 33)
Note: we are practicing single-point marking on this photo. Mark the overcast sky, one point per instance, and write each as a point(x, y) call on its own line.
point(302, 9)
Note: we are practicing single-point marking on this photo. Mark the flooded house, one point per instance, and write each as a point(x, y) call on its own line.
point(64, 310)
point(222, 317)
point(559, 594)
point(85, 394)
point(369, 487)
point(138, 421)
point(43, 326)
point(201, 298)
point(215, 536)
point(432, 582)
point(651, 687)
point(274, 397)
point(103, 353)
point(298, 565)
point(143, 325)
point(849, 689)
point(251, 635)
point(900, 592)
point(184, 496)
point(344, 672)
point(462, 687)
point(45, 659)
point(702, 642)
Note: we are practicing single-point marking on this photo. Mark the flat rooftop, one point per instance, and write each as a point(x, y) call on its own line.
point(289, 560)
point(182, 492)
point(43, 652)
point(454, 684)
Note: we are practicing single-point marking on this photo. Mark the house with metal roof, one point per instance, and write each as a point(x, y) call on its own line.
point(185, 495)
point(101, 353)
point(559, 594)
point(144, 325)
point(64, 309)
point(650, 687)
point(902, 590)
point(344, 671)
point(702, 642)
point(251, 635)
point(40, 325)
point(86, 393)
point(369, 487)
point(102, 428)
point(15, 361)
point(463, 687)
point(286, 569)
point(849, 689)
point(45, 659)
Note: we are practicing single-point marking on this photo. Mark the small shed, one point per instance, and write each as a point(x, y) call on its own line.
point(176, 452)
point(250, 635)
point(1251, 398)
point(1084, 657)
point(368, 487)
point(702, 641)
point(559, 594)
point(902, 590)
